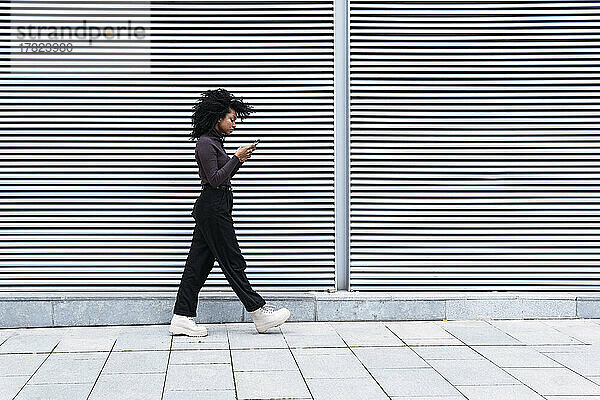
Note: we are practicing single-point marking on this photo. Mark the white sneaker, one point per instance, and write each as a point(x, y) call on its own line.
point(182, 325)
point(268, 317)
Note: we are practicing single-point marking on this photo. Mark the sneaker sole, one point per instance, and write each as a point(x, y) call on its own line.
point(264, 328)
point(183, 331)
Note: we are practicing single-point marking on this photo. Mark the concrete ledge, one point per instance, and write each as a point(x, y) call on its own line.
point(42, 309)
point(588, 307)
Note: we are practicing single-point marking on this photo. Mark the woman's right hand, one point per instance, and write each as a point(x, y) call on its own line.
point(245, 152)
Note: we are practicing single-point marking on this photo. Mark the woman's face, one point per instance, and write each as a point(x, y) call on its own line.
point(227, 124)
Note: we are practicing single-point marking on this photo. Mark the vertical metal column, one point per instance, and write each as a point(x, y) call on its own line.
point(342, 147)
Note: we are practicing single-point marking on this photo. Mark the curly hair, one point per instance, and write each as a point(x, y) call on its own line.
point(214, 105)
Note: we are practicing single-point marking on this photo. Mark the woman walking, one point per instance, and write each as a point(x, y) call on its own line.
point(214, 237)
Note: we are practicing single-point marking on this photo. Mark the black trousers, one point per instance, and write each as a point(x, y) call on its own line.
point(214, 237)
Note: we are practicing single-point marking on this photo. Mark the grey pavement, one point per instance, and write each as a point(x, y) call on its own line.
point(402, 360)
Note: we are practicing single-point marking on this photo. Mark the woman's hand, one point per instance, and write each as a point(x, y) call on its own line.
point(245, 152)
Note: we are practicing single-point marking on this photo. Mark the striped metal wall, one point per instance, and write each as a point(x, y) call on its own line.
point(98, 174)
point(474, 145)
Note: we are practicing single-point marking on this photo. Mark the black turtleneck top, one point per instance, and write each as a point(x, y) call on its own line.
point(214, 165)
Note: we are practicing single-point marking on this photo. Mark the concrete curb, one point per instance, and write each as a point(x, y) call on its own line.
point(43, 309)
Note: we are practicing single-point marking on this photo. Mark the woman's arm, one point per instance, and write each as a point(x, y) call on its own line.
point(235, 169)
point(207, 155)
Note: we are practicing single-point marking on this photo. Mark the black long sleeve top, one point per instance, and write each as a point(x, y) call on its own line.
point(215, 167)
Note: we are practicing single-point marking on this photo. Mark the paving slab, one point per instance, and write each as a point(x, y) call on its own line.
point(429, 398)
point(346, 389)
point(245, 336)
point(480, 334)
point(425, 382)
point(321, 350)
point(199, 377)
point(555, 381)
point(575, 348)
point(585, 331)
point(135, 342)
point(139, 362)
point(11, 385)
point(584, 363)
point(418, 329)
point(315, 334)
point(422, 333)
point(318, 365)
point(20, 364)
point(307, 328)
point(447, 353)
point(573, 397)
point(5, 334)
point(141, 330)
point(263, 360)
point(534, 332)
point(466, 323)
point(366, 334)
point(55, 391)
point(271, 385)
point(28, 343)
point(199, 395)
point(496, 392)
point(200, 357)
point(83, 344)
point(515, 356)
point(210, 342)
point(128, 387)
point(389, 357)
point(461, 372)
point(299, 341)
point(451, 341)
point(70, 368)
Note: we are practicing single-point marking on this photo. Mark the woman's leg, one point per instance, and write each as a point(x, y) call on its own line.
point(221, 239)
point(198, 265)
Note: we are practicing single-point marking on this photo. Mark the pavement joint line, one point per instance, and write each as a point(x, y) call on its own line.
point(500, 330)
point(427, 362)
point(570, 369)
point(101, 369)
point(297, 365)
point(485, 358)
point(561, 332)
point(4, 341)
point(162, 395)
point(81, 351)
point(364, 366)
point(134, 351)
point(36, 370)
point(235, 392)
point(559, 367)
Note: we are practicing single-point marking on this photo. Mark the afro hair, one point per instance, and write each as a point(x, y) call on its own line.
point(214, 105)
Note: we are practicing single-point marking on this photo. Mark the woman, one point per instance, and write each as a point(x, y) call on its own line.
point(214, 119)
